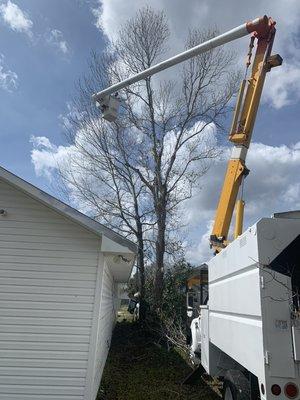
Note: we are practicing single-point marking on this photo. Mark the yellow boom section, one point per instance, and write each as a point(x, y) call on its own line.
point(240, 135)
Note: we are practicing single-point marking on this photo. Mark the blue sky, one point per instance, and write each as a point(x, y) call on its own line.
point(44, 49)
point(45, 75)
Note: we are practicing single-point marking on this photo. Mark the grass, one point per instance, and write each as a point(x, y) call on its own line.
point(137, 369)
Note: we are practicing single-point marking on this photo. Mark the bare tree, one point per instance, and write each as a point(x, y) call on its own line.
point(137, 171)
point(96, 175)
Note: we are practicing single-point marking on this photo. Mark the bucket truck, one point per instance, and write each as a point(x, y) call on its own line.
point(248, 333)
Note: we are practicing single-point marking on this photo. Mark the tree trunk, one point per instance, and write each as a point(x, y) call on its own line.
point(141, 273)
point(160, 247)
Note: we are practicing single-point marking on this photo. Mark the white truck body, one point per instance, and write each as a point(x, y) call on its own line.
point(250, 322)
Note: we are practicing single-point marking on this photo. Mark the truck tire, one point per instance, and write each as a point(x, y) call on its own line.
point(236, 386)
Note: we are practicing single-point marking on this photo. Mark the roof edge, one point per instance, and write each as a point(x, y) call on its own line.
point(66, 210)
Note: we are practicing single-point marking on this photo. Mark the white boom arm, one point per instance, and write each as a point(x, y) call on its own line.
point(224, 38)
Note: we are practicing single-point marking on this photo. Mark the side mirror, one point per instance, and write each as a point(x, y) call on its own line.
point(189, 312)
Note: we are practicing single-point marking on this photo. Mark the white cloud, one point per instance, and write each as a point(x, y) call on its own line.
point(8, 78)
point(97, 11)
point(15, 18)
point(39, 142)
point(47, 157)
point(56, 39)
point(284, 88)
point(19, 21)
point(198, 251)
point(283, 83)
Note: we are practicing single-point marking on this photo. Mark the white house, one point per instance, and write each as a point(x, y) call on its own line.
point(59, 272)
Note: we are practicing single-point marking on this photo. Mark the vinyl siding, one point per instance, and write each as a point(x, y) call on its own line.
point(106, 323)
point(48, 267)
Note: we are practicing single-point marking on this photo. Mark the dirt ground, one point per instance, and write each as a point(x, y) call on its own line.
point(137, 369)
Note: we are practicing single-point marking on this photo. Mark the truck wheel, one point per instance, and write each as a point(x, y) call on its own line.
point(236, 386)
